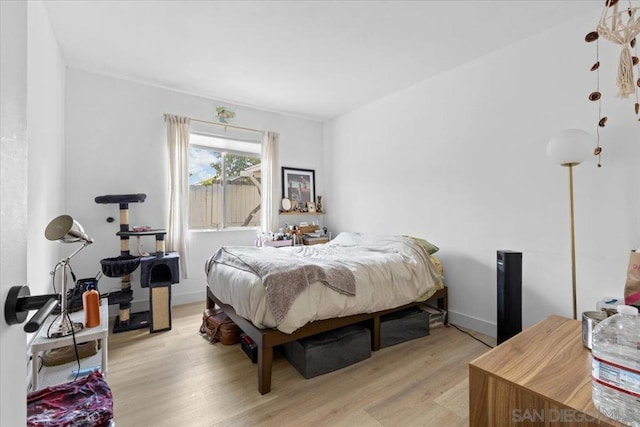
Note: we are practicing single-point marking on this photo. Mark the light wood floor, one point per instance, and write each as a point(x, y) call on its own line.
point(176, 378)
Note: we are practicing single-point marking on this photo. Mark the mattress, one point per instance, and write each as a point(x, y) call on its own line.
point(389, 271)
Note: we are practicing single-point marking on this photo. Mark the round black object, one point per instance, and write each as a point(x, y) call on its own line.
point(12, 315)
point(119, 266)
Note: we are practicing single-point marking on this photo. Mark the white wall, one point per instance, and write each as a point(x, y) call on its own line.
point(31, 166)
point(13, 202)
point(116, 144)
point(45, 115)
point(461, 160)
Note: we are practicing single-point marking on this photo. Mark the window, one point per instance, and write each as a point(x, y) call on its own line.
point(224, 182)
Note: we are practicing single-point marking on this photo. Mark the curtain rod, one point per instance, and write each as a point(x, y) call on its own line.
point(226, 125)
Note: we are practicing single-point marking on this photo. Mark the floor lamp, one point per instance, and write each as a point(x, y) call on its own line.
point(65, 229)
point(570, 148)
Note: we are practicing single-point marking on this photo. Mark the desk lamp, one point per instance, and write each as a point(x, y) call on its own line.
point(65, 229)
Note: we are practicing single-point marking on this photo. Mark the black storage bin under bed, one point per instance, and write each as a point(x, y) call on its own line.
point(329, 351)
point(403, 325)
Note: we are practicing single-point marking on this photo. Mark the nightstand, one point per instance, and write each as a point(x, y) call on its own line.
point(51, 375)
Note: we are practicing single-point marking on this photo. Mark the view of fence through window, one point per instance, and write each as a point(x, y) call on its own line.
point(224, 183)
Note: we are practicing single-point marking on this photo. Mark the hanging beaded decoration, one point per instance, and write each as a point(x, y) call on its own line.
point(597, 96)
point(621, 27)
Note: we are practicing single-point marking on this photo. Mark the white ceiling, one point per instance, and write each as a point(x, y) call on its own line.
point(316, 59)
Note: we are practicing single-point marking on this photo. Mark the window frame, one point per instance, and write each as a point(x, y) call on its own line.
point(224, 152)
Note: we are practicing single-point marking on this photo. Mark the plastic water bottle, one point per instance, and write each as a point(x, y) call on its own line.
point(615, 366)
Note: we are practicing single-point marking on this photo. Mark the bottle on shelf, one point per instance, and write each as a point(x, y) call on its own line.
point(91, 305)
point(615, 365)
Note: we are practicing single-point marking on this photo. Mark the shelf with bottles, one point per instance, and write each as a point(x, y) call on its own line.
point(294, 235)
point(294, 207)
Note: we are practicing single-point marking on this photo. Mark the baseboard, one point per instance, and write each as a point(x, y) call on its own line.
point(191, 297)
point(473, 323)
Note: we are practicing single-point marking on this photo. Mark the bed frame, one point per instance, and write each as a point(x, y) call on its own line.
point(266, 339)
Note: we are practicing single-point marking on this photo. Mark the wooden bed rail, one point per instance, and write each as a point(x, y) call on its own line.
point(266, 339)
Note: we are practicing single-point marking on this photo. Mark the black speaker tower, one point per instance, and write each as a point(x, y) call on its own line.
point(509, 265)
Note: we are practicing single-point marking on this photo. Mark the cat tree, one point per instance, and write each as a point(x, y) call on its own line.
point(158, 271)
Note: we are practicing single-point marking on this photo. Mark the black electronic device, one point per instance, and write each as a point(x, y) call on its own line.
point(509, 266)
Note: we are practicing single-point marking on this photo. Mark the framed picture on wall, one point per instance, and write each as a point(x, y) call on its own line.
point(299, 185)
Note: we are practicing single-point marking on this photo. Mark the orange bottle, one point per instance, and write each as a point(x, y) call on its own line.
point(91, 305)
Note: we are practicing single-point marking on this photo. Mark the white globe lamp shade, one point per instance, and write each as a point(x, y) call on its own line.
point(571, 146)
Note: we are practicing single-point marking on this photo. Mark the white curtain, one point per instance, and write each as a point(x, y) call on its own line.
point(269, 220)
point(178, 141)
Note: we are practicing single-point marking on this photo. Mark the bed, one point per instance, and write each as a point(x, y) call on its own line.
point(278, 295)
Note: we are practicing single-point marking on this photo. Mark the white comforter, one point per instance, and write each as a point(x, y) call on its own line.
point(389, 270)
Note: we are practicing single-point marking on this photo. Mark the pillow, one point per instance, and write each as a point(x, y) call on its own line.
point(429, 247)
point(438, 265)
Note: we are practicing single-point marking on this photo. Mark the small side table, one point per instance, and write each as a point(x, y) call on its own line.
point(52, 375)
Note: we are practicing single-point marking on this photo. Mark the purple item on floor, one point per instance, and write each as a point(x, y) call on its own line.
point(85, 402)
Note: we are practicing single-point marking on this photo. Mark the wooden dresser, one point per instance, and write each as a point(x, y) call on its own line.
point(540, 377)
